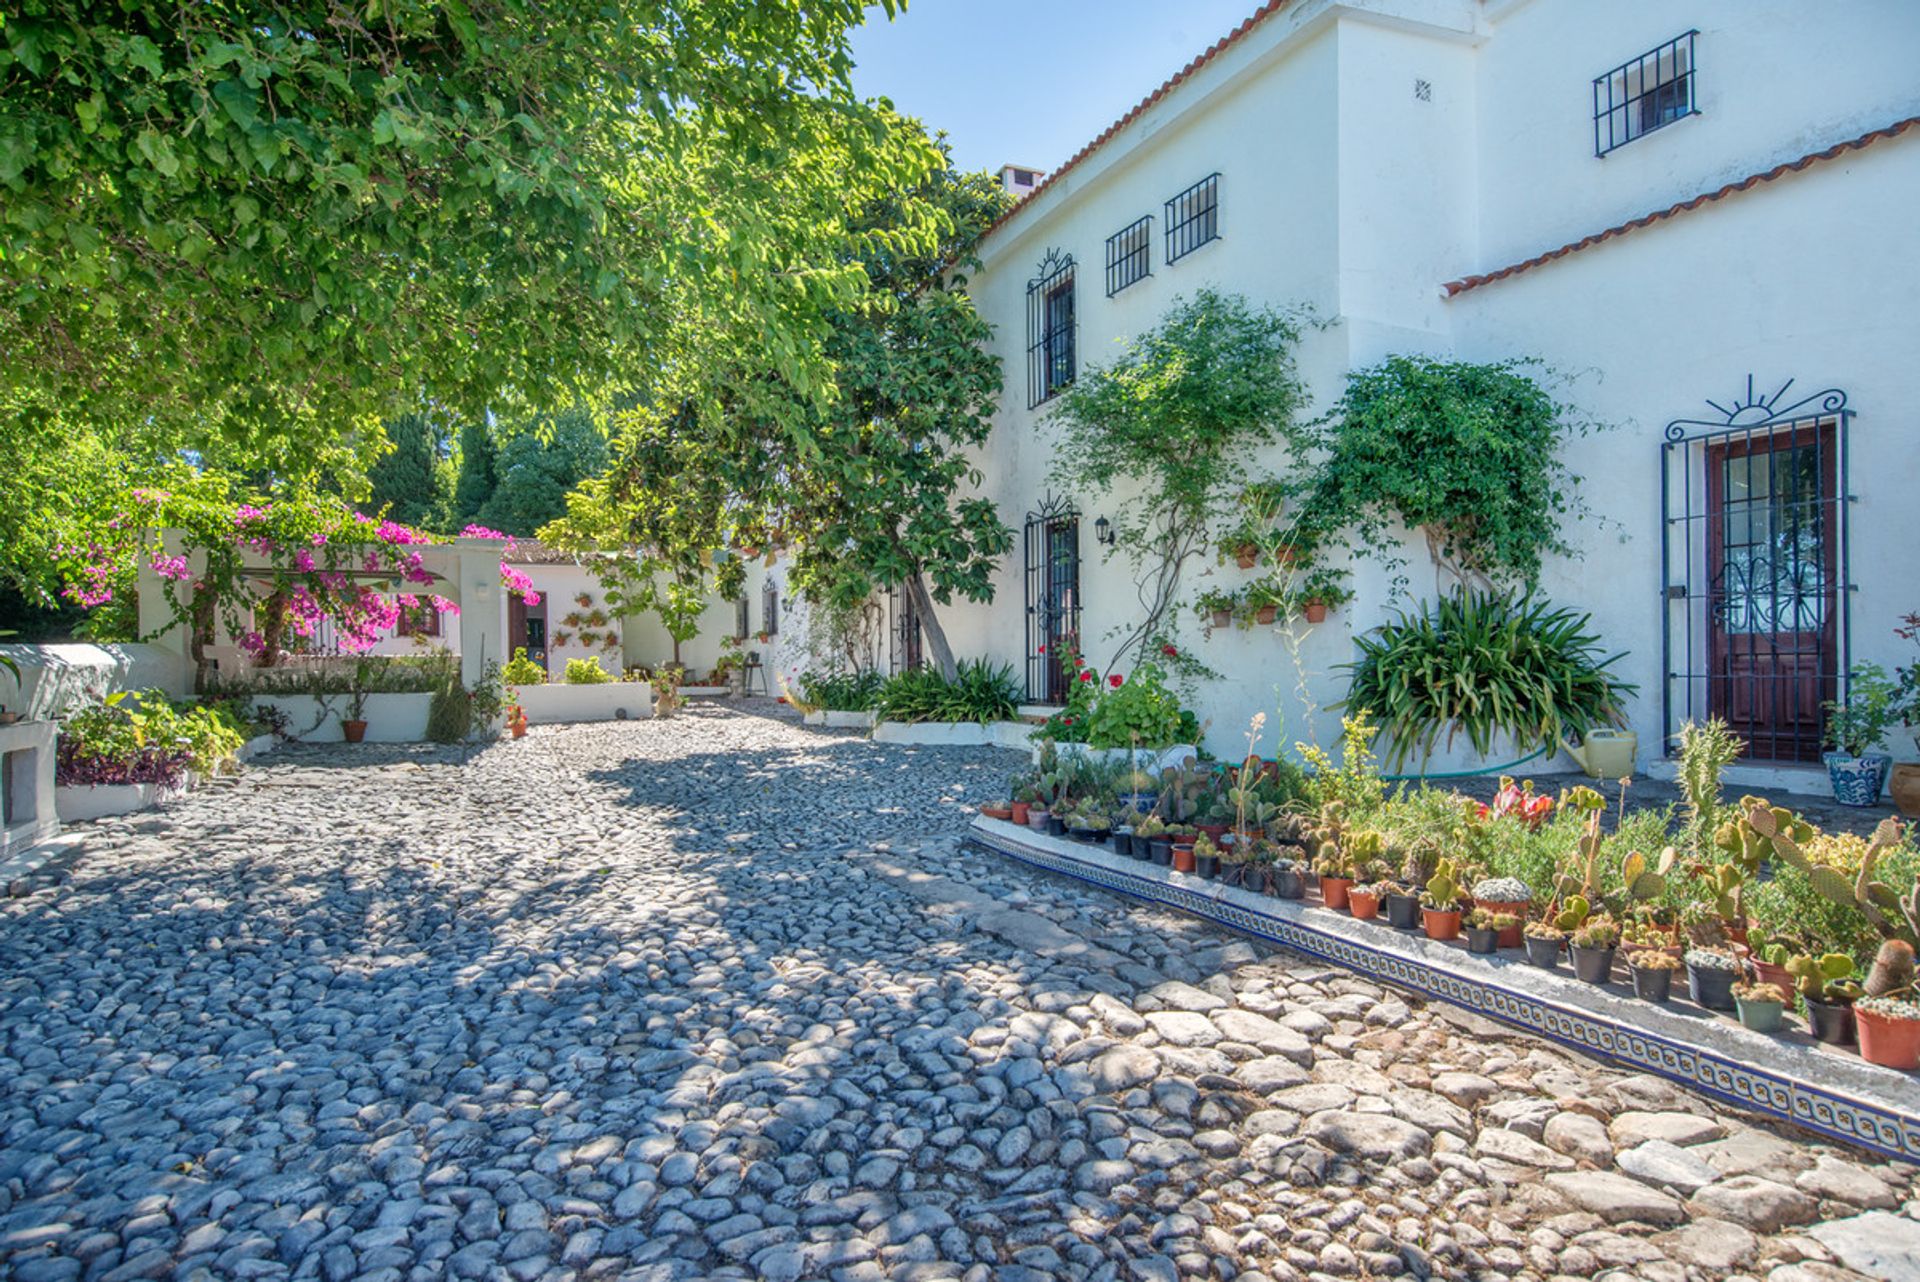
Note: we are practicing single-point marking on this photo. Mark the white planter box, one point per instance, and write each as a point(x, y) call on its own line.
point(559, 704)
point(955, 734)
point(82, 802)
point(391, 718)
point(841, 720)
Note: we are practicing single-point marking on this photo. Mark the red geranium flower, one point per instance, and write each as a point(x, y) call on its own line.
point(1066, 721)
point(1169, 651)
point(1114, 680)
point(1086, 676)
point(1043, 650)
point(1079, 662)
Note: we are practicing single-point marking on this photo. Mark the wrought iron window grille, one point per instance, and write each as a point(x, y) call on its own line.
point(1193, 218)
point(770, 608)
point(1644, 94)
point(1128, 251)
point(1051, 328)
point(1756, 585)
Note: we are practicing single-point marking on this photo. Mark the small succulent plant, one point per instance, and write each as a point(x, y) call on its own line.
point(1753, 993)
point(1901, 1008)
point(1598, 932)
point(1502, 890)
point(1545, 930)
point(1649, 959)
point(1710, 959)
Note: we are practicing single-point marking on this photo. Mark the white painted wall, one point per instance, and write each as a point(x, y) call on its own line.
point(1345, 192)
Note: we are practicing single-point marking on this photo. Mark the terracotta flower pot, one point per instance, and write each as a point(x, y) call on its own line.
point(1768, 973)
point(1183, 858)
point(1891, 1043)
point(1333, 891)
point(1441, 923)
point(355, 731)
point(1246, 556)
point(1266, 614)
point(518, 729)
point(1906, 788)
point(1020, 813)
point(1316, 611)
point(1214, 831)
point(1223, 618)
point(1363, 904)
point(997, 812)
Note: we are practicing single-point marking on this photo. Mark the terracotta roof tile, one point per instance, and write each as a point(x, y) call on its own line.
point(1218, 47)
point(1465, 283)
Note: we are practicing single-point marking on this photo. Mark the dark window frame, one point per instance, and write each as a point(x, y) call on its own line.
point(1644, 95)
point(1052, 326)
point(1130, 254)
point(1193, 218)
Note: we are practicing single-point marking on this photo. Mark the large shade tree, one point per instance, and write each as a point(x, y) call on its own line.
point(252, 231)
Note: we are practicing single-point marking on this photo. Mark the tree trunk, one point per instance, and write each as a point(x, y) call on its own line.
point(200, 636)
point(930, 625)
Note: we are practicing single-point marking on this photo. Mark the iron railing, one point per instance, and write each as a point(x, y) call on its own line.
point(1644, 94)
point(1193, 218)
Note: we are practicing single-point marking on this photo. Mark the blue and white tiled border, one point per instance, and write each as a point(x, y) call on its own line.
point(1791, 1078)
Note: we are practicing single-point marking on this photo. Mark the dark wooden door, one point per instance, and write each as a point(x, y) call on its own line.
point(1772, 612)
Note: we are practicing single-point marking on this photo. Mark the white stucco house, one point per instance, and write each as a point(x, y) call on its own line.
point(1702, 214)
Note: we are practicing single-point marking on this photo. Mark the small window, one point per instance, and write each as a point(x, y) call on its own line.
point(769, 608)
point(1050, 328)
point(1193, 218)
point(1645, 94)
point(1127, 253)
point(420, 620)
point(1023, 177)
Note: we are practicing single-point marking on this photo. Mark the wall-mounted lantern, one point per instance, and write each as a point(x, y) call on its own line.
point(1103, 532)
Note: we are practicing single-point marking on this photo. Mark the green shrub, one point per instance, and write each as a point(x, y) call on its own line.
point(842, 691)
point(522, 671)
point(1483, 664)
point(978, 692)
point(450, 715)
point(1140, 712)
point(587, 672)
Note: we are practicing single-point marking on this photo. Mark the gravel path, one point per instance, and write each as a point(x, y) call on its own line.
point(722, 997)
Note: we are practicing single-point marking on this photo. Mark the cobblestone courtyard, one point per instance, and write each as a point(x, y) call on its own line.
point(723, 997)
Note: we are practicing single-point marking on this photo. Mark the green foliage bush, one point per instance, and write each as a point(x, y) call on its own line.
point(522, 671)
point(587, 672)
point(398, 674)
point(1483, 664)
point(1141, 712)
point(147, 738)
point(978, 692)
point(842, 691)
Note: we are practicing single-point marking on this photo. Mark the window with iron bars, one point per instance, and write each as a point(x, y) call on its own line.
point(1644, 94)
point(1127, 253)
point(742, 622)
point(769, 608)
point(1193, 218)
point(1050, 328)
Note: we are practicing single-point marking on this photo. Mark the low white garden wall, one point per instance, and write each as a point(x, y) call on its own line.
point(54, 678)
point(841, 720)
point(79, 803)
point(391, 718)
point(32, 809)
point(558, 704)
point(955, 734)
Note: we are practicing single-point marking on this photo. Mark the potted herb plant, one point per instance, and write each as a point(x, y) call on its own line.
point(1440, 903)
point(1828, 991)
point(1651, 970)
point(354, 724)
point(1506, 896)
point(1264, 599)
point(1543, 941)
point(1593, 944)
point(1218, 608)
point(1761, 1005)
point(1854, 728)
point(1711, 973)
point(1482, 935)
point(1323, 590)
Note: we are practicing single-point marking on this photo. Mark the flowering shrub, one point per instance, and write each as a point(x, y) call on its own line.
point(145, 738)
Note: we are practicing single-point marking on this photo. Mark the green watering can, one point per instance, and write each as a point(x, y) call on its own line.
point(1605, 754)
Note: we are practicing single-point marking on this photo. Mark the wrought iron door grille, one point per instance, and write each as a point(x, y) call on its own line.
point(1050, 328)
point(770, 607)
point(903, 638)
point(1193, 218)
point(1052, 598)
point(1644, 94)
point(1127, 253)
point(1756, 587)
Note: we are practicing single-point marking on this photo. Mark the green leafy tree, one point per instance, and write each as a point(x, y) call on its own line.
point(535, 469)
point(1177, 419)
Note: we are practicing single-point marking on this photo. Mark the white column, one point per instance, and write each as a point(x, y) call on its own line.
point(483, 605)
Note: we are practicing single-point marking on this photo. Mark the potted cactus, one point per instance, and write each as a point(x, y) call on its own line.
point(1508, 896)
point(1402, 904)
point(1761, 1005)
point(1288, 879)
point(1711, 973)
point(1206, 857)
point(1483, 936)
point(1334, 873)
point(1889, 1029)
point(1827, 989)
point(1651, 971)
point(1440, 904)
point(1593, 945)
point(1363, 900)
point(1543, 941)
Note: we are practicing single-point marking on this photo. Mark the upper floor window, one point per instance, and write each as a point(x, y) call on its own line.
point(1050, 328)
point(1641, 95)
point(1127, 253)
point(1193, 218)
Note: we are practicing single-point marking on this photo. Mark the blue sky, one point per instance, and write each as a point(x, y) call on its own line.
point(1030, 82)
